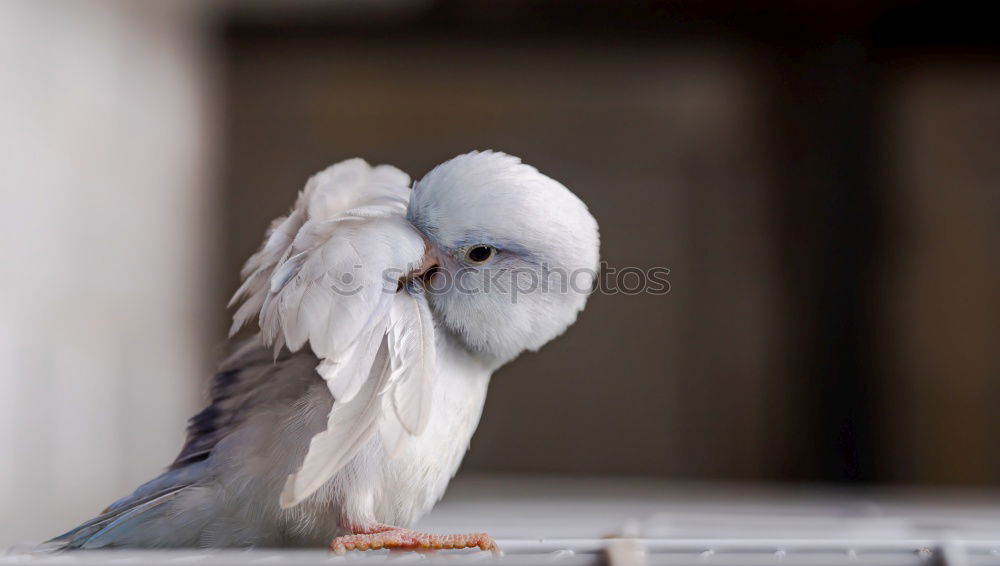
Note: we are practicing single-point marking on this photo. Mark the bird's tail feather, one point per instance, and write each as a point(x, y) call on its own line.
point(105, 529)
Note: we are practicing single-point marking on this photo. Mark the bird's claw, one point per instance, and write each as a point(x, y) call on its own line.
point(406, 539)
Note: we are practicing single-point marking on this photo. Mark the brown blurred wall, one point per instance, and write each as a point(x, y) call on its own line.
point(942, 274)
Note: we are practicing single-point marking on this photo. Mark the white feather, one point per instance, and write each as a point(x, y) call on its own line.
point(345, 378)
point(338, 288)
point(334, 194)
point(394, 436)
point(411, 345)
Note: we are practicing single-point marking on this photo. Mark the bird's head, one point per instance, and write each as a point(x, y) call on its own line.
point(511, 253)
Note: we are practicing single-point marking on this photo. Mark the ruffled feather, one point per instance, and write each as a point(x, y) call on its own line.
point(327, 276)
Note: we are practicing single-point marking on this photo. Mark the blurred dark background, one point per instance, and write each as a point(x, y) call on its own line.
point(821, 179)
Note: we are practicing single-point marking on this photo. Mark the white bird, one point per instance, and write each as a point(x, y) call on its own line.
point(382, 313)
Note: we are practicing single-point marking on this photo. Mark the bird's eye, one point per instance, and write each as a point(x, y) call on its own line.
point(480, 253)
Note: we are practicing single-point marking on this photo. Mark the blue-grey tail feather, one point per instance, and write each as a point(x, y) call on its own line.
point(179, 477)
point(245, 381)
point(102, 530)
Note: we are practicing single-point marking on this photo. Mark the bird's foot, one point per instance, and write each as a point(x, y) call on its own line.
point(394, 538)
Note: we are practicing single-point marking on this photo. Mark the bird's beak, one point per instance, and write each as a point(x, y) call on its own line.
point(426, 269)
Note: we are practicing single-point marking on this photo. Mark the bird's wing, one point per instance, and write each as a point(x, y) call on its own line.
point(250, 379)
point(350, 189)
point(328, 275)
